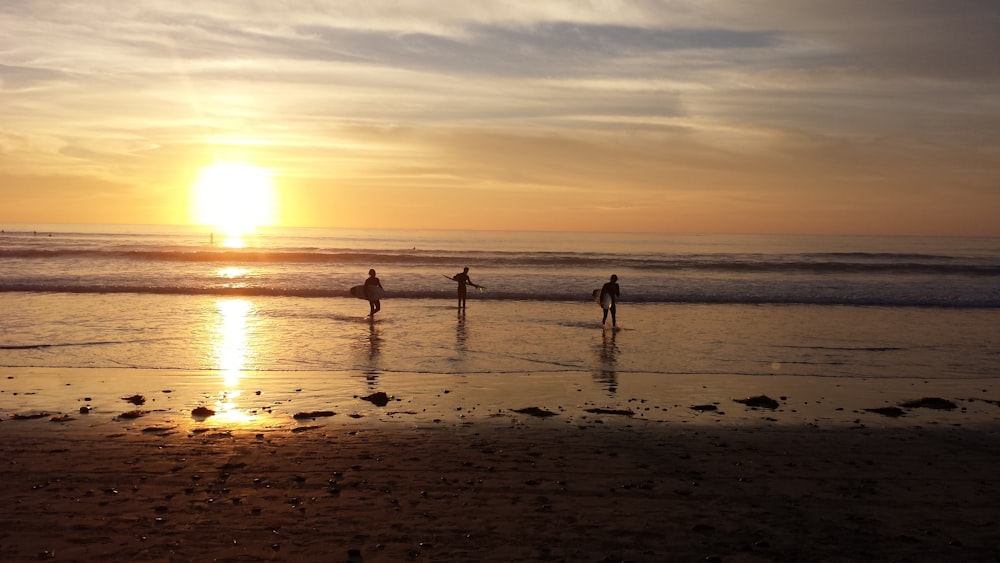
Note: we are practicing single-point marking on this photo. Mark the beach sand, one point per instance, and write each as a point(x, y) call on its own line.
point(755, 484)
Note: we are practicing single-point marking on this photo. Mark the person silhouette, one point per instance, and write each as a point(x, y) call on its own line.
point(463, 280)
point(611, 291)
point(373, 301)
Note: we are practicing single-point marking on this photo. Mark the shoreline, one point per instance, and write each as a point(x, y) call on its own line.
point(457, 474)
point(81, 398)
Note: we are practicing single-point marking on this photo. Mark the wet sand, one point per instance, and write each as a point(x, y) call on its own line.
point(754, 484)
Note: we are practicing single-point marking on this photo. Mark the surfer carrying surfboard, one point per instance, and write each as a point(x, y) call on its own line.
point(373, 290)
point(609, 299)
point(463, 280)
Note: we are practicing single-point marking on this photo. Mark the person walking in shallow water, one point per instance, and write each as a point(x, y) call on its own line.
point(609, 294)
point(370, 286)
point(463, 280)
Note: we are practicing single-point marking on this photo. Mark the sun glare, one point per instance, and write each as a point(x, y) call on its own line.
point(234, 197)
point(232, 353)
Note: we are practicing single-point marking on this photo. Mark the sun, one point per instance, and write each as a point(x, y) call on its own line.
point(234, 197)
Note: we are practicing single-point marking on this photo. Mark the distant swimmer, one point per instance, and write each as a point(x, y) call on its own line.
point(373, 292)
point(609, 300)
point(463, 280)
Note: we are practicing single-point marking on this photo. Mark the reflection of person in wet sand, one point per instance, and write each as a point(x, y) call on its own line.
point(461, 336)
point(463, 280)
point(374, 342)
point(369, 350)
point(608, 374)
point(370, 284)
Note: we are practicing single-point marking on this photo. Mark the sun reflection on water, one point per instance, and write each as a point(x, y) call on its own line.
point(233, 272)
point(232, 352)
point(233, 241)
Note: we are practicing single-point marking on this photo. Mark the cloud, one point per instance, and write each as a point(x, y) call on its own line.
point(543, 49)
point(14, 78)
point(899, 38)
point(750, 101)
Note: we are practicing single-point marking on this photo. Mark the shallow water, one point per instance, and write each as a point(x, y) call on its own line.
point(264, 334)
point(702, 319)
point(257, 358)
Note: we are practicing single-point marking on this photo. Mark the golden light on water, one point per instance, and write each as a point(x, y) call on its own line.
point(232, 354)
point(231, 350)
point(233, 272)
point(233, 241)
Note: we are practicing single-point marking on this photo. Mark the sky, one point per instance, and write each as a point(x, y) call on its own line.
point(707, 116)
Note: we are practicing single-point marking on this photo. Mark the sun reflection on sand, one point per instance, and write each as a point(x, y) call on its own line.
point(227, 409)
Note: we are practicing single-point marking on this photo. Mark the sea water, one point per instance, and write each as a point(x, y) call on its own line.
point(127, 302)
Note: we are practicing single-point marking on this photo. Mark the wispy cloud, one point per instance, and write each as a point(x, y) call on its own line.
point(792, 102)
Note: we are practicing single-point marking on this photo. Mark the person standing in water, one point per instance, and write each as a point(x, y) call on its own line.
point(463, 280)
point(370, 285)
point(612, 291)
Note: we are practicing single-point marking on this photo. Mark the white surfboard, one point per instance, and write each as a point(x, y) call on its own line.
point(604, 303)
point(373, 294)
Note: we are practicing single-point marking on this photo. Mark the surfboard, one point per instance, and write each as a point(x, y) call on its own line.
point(479, 287)
point(604, 303)
point(375, 294)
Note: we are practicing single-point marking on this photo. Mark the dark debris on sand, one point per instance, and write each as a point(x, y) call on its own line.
point(202, 412)
point(888, 411)
point(16, 416)
point(930, 403)
point(312, 414)
point(135, 399)
point(759, 401)
point(131, 415)
point(535, 411)
point(623, 412)
point(379, 399)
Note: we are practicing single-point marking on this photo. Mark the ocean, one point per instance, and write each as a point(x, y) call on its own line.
point(144, 304)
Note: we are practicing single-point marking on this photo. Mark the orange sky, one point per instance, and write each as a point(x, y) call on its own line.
point(685, 116)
